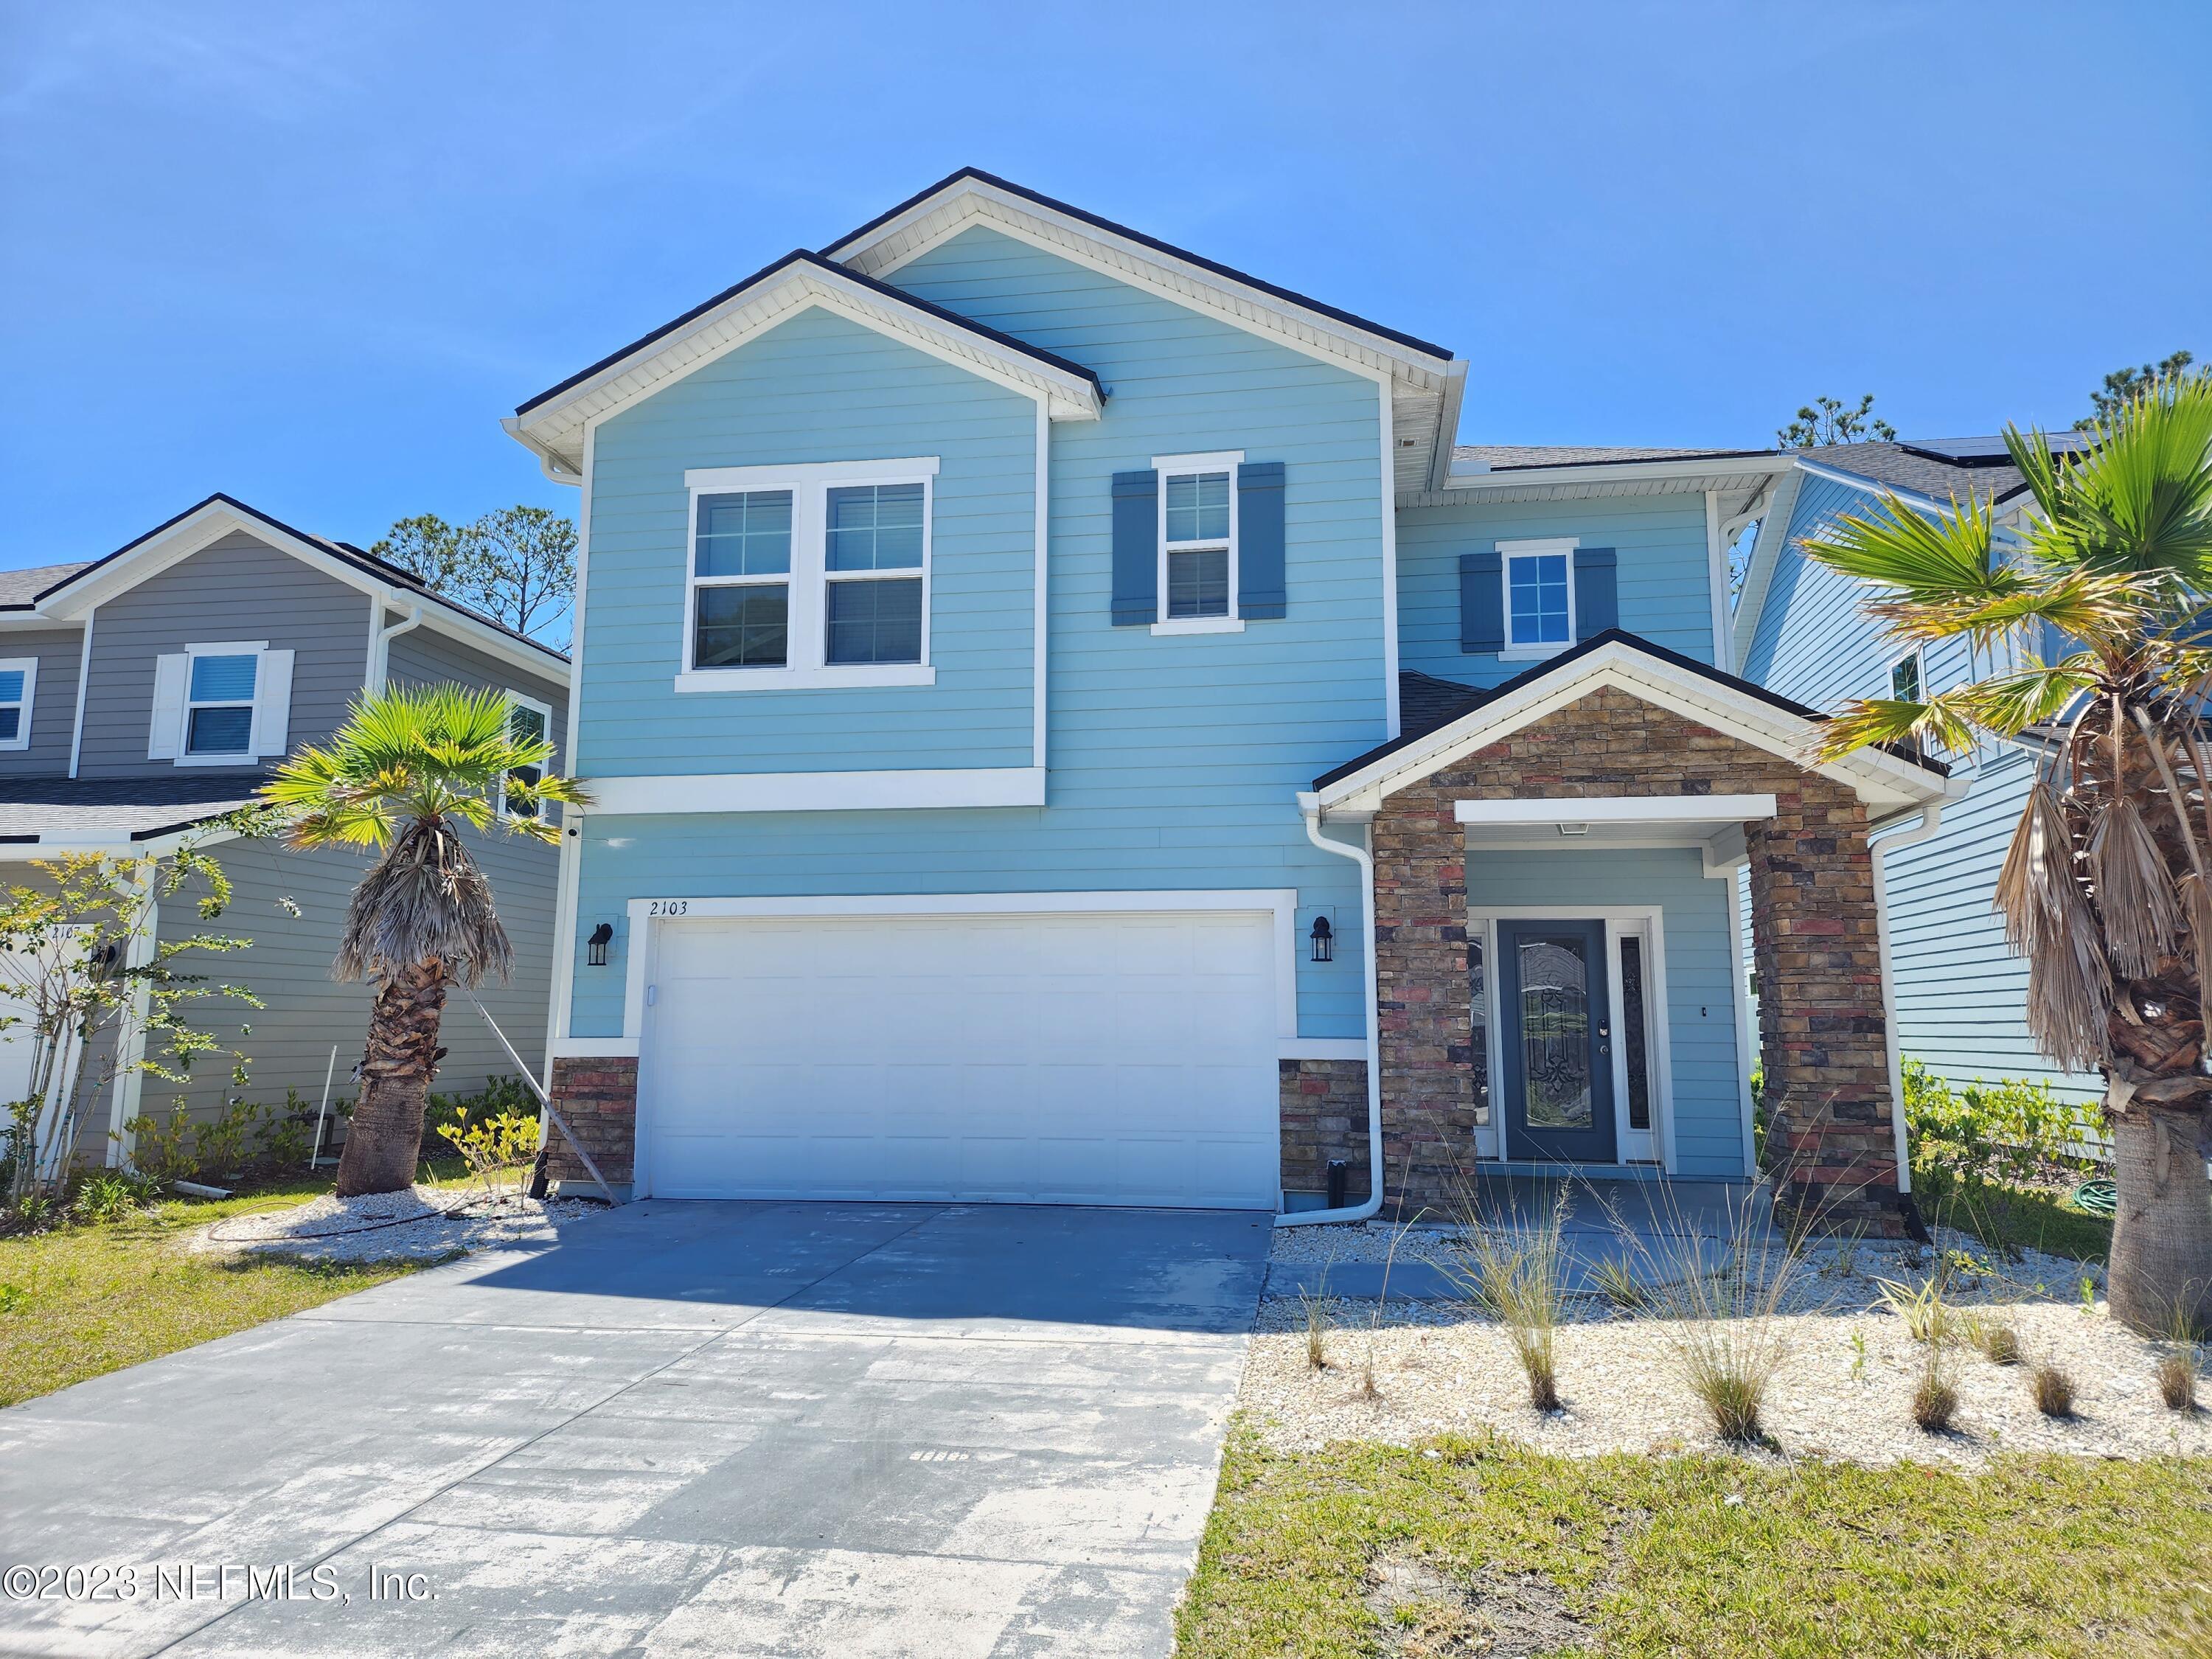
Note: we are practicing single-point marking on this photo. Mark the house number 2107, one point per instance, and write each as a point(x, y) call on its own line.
point(668, 908)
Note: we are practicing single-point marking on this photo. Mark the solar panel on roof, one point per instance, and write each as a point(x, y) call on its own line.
point(1984, 451)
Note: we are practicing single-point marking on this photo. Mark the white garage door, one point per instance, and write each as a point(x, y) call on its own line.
point(1082, 1059)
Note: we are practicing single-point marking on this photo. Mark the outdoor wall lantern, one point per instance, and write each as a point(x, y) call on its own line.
point(1324, 940)
point(597, 955)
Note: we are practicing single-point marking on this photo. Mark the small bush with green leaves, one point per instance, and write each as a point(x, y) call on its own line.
point(220, 1142)
point(110, 1194)
point(493, 1145)
point(1973, 1145)
point(164, 1150)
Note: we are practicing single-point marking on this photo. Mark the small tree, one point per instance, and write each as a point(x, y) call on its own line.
point(2107, 888)
point(517, 565)
point(83, 960)
point(406, 774)
point(1826, 421)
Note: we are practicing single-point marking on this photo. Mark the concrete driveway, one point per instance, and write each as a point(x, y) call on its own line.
point(697, 1429)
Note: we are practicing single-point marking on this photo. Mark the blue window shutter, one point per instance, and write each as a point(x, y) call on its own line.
point(1597, 604)
point(1259, 589)
point(1481, 603)
point(1136, 549)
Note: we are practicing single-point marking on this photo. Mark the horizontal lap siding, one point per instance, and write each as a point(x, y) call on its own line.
point(53, 701)
point(1698, 922)
point(1174, 762)
point(1961, 991)
point(1663, 574)
point(420, 657)
point(236, 588)
point(815, 388)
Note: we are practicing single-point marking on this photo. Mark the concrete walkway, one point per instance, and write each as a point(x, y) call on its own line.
point(695, 1429)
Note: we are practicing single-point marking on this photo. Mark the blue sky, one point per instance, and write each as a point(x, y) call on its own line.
point(311, 254)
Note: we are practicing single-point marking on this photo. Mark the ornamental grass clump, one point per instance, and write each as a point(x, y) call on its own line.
point(2053, 1390)
point(2177, 1369)
point(1719, 1300)
point(1515, 1267)
point(1934, 1402)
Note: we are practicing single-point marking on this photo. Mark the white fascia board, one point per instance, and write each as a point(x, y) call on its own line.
point(1616, 809)
point(820, 791)
point(556, 428)
point(1878, 778)
point(967, 202)
point(26, 621)
point(1765, 552)
point(209, 525)
point(1474, 486)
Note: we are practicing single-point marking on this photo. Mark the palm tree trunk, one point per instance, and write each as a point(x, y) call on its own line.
point(2162, 1233)
point(384, 1139)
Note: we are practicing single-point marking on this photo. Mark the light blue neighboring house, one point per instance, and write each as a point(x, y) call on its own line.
point(1801, 629)
point(1036, 685)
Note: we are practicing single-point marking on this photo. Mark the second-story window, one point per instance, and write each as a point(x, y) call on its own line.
point(529, 721)
point(1198, 543)
point(18, 677)
point(741, 576)
point(809, 576)
point(872, 569)
point(219, 706)
point(1539, 601)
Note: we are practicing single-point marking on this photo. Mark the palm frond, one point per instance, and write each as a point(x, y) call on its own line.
point(2140, 500)
point(1867, 721)
point(426, 899)
point(2049, 922)
point(1929, 559)
point(2006, 705)
point(2133, 889)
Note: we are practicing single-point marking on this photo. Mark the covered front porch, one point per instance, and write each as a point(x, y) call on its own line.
point(1558, 866)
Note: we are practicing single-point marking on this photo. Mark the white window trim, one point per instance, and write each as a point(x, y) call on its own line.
point(233, 758)
point(1646, 922)
point(1218, 460)
point(547, 813)
point(806, 665)
point(1509, 551)
point(29, 669)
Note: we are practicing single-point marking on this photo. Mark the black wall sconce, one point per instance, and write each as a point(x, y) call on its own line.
point(1324, 940)
point(596, 954)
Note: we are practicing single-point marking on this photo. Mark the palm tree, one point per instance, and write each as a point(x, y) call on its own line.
point(2089, 636)
point(406, 774)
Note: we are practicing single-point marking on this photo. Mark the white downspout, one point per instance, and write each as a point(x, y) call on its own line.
point(1931, 819)
point(380, 670)
point(1310, 808)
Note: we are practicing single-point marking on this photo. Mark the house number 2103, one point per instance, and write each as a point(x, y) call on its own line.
point(668, 908)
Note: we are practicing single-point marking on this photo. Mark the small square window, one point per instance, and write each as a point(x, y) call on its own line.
point(875, 622)
point(1537, 610)
point(746, 627)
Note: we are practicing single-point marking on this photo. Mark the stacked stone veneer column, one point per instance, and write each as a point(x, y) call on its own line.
point(597, 1098)
point(1830, 1148)
point(1324, 1106)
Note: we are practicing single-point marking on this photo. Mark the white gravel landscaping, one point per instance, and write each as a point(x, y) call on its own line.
point(424, 1224)
point(1843, 1390)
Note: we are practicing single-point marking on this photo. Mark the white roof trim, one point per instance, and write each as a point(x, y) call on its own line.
point(1758, 570)
point(555, 430)
point(1428, 385)
point(1887, 784)
point(212, 520)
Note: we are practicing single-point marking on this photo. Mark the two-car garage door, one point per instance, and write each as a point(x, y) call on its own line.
point(1064, 1058)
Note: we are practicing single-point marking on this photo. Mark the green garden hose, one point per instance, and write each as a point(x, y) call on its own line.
point(2095, 1198)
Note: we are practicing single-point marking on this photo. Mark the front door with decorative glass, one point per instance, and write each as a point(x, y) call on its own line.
point(1558, 1040)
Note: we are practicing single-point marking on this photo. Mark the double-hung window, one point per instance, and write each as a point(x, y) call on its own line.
point(1198, 542)
point(219, 704)
point(1907, 683)
point(1540, 597)
point(809, 576)
point(528, 721)
point(19, 679)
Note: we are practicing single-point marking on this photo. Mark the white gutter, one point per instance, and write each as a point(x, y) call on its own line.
point(1931, 819)
point(1310, 808)
point(381, 674)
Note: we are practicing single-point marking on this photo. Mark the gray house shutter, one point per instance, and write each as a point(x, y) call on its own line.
point(1259, 589)
point(1481, 603)
point(1136, 549)
point(1597, 606)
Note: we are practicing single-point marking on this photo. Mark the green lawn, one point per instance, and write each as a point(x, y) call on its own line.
point(2025, 1216)
point(1364, 1549)
point(80, 1301)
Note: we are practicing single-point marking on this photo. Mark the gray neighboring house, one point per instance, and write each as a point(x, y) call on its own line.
point(152, 690)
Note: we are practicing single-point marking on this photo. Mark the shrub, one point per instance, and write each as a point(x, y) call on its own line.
point(164, 1150)
point(110, 1194)
point(287, 1135)
point(499, 1094)
point(220, 1142)
point(1972, 1145)
point(493, 1145)
point(2053, 1390)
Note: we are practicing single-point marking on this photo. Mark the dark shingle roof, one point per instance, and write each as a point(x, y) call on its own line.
point(124, 809)
point(1926, 468)
point(18, 588)
point(1427, 705)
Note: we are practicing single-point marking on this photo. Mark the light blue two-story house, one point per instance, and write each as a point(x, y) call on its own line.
point(1801, 629)
point(1067, 723)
